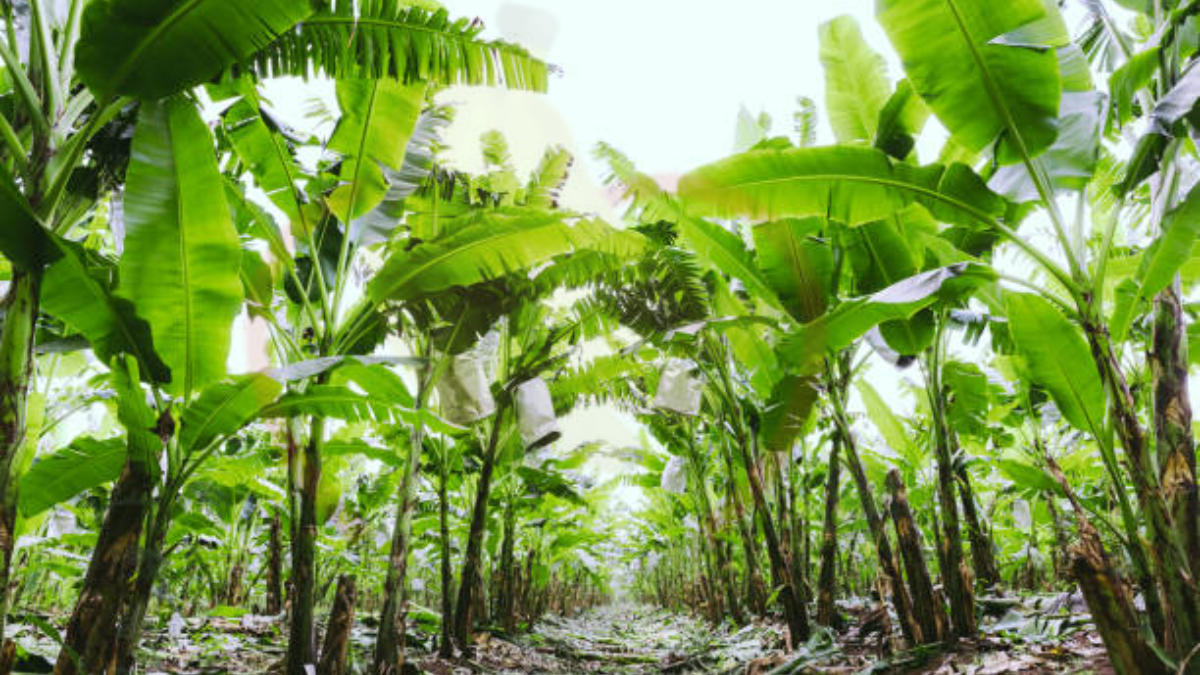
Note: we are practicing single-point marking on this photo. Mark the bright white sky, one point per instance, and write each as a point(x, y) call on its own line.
point(661, 80)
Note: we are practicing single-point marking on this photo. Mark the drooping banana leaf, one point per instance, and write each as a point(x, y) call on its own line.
point(803, 350)
point(59, 476)
point(845, 184)
point(788, 411)
point(153, 48)
point(224, 408)
point(1057, 357)
point(491, 244)
point(388, 38)
point(982, 89)
point(77, 290)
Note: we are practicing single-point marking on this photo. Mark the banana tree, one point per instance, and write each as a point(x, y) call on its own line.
point(1015, 104)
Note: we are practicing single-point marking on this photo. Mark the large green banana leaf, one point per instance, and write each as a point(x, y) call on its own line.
point(980, 87)
point(269, 159)
point(76, 289)
point(59, 476)
point(804, 350)
point(798, 266)
point(224, 408)
point(377, 121)
point(1070, 161)
point(1161, 261)
point(856, 85)
point(153, 48)
point(23, 240)
point(182, 261)
point(377, 225)
point(1057, 357)
point(492, 244)
point(391, 38)
point(788, 411)
point(845, 184)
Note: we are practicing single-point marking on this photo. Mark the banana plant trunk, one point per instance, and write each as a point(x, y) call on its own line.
point(337, 632)
point(826, 578)
point(470, 577)
point(927, 606)
point(507, 607)
point(446, 648)
point(794, 610)
point(1173, 421)
point(302, 650)
point(274, 604)
point(1173, 574)
point(721, 567)
point(888, 565)
point(954, 575)
point(1107, 595)
point(757, 595)
point(134, 616)
point(16, 371)
point(90, 640)
point(389, 646)
point(983, 560)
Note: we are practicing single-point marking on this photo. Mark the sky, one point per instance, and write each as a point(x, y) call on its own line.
point(660, 80)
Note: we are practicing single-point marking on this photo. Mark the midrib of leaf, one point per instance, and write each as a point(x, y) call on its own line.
point(989, 82)
point(793, 252)
point(468, 246)
point(185, 267)
point(362, 144)
point(1044, 188)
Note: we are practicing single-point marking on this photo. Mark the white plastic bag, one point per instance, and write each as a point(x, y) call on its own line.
point(679, 389)
point(463, 390)
point(535, 414)
point(674, 480)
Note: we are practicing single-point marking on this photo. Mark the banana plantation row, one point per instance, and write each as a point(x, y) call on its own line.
point(426, 328)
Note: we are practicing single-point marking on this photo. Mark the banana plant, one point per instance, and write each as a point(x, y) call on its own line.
point(1013, 105)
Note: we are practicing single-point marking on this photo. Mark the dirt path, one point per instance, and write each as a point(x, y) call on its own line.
point(624, 640)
